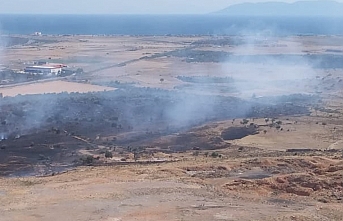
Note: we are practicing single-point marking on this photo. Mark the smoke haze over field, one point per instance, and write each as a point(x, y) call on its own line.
point(257, 62)
point(266, 71)
point(165, 85)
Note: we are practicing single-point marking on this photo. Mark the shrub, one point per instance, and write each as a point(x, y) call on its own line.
point(108, 154)
point(88, 160)
point(245, 121)
point(214, 154)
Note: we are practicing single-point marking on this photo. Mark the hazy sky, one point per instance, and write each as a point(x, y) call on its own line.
point(118, 6)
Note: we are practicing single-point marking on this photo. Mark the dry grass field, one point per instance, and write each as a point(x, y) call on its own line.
point(52, 87)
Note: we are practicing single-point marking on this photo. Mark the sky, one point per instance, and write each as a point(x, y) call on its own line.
point(118, 6)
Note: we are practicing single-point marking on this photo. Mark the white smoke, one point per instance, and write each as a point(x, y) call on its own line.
point(268, 64)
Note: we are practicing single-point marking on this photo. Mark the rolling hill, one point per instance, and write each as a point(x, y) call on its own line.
point(301, 8)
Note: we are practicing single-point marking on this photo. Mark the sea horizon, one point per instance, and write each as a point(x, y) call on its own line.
point(158, 24)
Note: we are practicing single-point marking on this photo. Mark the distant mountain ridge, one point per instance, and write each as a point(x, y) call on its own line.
point(301, 8)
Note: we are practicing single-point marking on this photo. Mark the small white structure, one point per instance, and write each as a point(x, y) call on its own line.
point(37, 33)
point(44, 70)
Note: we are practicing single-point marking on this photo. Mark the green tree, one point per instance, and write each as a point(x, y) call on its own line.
point(245, 121)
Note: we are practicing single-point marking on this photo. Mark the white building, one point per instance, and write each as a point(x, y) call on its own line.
point(44, 70)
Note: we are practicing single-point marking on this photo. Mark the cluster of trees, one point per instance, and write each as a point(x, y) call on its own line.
point(205, 79)
point(201, 56)
point(274, 123)
point(7, 76)
point(220, 41)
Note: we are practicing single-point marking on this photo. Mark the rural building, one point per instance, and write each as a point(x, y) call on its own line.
point(44, 70)
point(44, 63)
